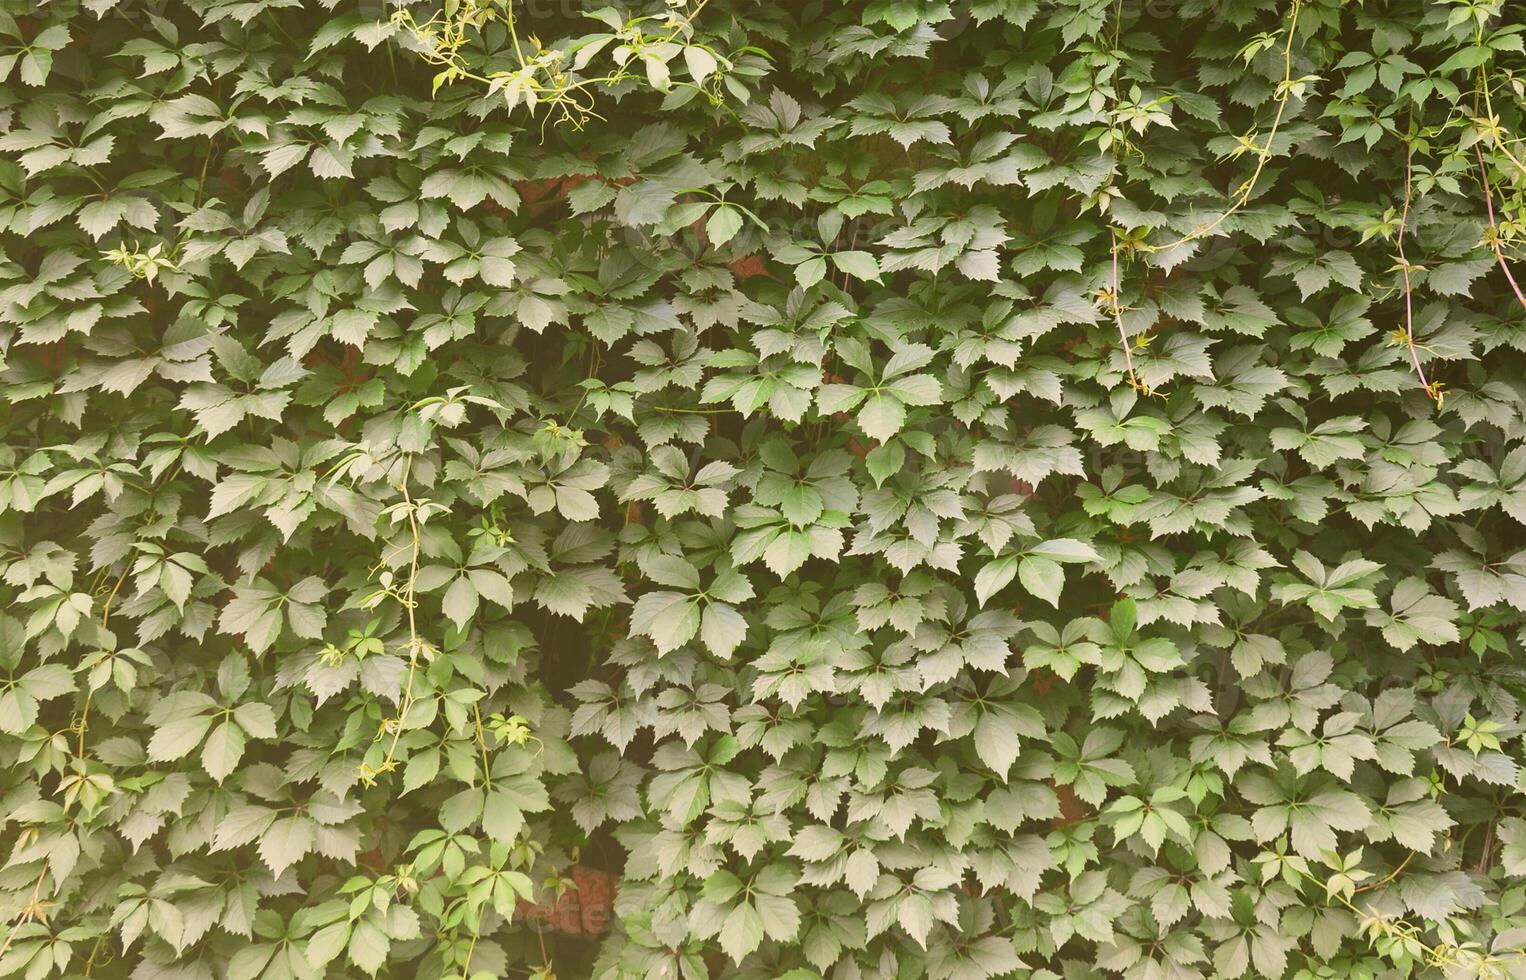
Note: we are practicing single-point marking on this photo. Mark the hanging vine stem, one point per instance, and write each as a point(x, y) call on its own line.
point(1494, 129)
point(1114, 302)
point(1112, 297)
point(466, 964)
point(1432, 388)
point(410, 603)
point(1494, 230)
point(32, 909)
point(1285, 90)
point(1388, 877)
point(1407, 936)
point(83, 725)
point(407, 596)
point(446, 32)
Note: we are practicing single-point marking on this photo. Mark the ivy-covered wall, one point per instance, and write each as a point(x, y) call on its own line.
point(873, 490)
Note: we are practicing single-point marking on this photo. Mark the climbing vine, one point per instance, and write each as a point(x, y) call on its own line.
point(700, 488)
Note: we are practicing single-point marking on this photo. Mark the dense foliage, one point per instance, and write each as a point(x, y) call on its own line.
point(876, 489)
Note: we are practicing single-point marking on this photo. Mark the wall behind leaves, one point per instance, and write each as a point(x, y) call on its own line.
point(894, 489)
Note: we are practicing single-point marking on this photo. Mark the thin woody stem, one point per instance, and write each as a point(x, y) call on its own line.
point(1409, 297)
point(1494, 231)
point(29, 912)
point(1243, 195)
point(1123, 334)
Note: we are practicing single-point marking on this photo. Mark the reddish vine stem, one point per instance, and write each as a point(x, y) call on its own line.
point(1494, 231)
point(1409, 297)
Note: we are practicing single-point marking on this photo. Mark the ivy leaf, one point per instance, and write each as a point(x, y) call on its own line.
point(368, 946)
point(860, 265)
point(1042, 577)
point(223, 750)
point(997, 742)
point(460, 602)
point(723, 225)
point(1418, 616)
point(722, 629)
point(285, 843)
point(994, 576)
point(882, 416)
point(671, 619)
point(742, 932)
point(178, 737)
point(19, 701)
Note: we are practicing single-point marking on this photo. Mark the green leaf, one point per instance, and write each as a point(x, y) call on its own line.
point(860, 265)
point(993, 577)
point(223, 750)
point(285, 842)
point(460, 602)
point(882, 416)
point(368, 946)
point(671, 619)
point(810, 272)
point(723, 225)
point(178, 737)
point(1065, 550)
point(722, 629)
point(742, 932)
point(1042, 577)
point(885, 461)
point(996, 742)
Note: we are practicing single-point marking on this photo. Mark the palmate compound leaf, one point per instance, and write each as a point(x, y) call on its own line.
point(23, 698)
point(1417, 616)
point(1039, 570)
point(999, 733)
